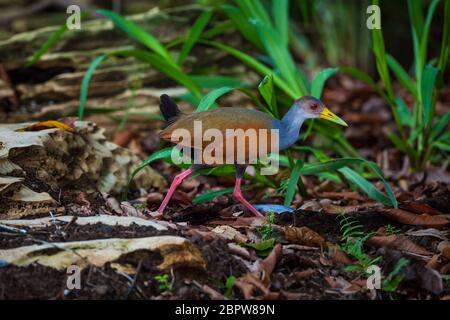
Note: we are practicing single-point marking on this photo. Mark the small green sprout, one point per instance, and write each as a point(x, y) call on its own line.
point(390, 284)
point(266, 231)
point(229, 284)
point(163, 281)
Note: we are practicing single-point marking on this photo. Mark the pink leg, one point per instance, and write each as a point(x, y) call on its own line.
point(237, 194)
point(175, 183)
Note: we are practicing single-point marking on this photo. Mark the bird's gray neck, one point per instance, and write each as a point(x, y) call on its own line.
point(289, 127)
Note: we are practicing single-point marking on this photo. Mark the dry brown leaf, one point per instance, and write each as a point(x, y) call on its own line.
point(304, 235)
point(398, 242)
point(349, 195)
point(339, 256)
point(425, 220)
point(268, 264)
point(434, 262)
point(305, 274)
point(444, 249)
point(261, 277)
point(333, 208)
point(420, 208)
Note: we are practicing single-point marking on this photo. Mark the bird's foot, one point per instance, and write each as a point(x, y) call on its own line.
point(239, 197)
point(155, 214)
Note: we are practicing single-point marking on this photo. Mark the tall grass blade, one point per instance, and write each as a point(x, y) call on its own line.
point(427, 87)
point(293, 181)
point(160, 63)
point(208, 101)
point(401, 74)
point(319, 81)
point(194, 35)
point(51, 41)
point(137, 33)
point(280, 13)
point(254, 64)
point(85, 83)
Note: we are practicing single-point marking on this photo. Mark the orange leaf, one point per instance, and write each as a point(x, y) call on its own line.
point(426, 220)
point(304, 235)
point(43, 125)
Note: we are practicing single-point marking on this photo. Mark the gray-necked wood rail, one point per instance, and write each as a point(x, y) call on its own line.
point(222, 119)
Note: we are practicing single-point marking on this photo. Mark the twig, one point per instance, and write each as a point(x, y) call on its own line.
point(12, 229)
point(133, 282)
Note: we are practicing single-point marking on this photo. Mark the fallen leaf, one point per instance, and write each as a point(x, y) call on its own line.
point(50, 124)
point(304, 235)
point(349, 195)
point(425, 220)
point(262, 248)
point(303, 275)
point(420, 208)
point(398, 242)
point(230, 233)
point(342, 285)
point(431, 232)
point(261, 277)
point(444, 249)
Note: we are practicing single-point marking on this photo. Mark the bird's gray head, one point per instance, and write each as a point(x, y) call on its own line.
point(310, 108)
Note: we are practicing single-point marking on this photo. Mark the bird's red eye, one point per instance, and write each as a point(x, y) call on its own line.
point(314, 106)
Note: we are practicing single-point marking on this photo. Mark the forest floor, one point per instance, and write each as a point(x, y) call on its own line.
point(232, 254)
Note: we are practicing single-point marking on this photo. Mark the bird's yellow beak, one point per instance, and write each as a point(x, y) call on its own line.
point(330, 116)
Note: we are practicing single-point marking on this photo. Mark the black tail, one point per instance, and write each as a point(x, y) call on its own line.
point(169, 108)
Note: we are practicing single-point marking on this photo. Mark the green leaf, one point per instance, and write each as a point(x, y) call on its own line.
point(427, 87)
point(208, 101)
point(171, 70)
point(329, 165)
point(380, 58)
point(242, 23)
point(402, 75)
point(217, 81)
point(266, 90)
point(210, 195)
point(262, 248)
point(355, 178)
point(254, 64)
point(405, 115)
point(425, 33)
point(442, 145)
point(85, 83)
point(51, 41)
point(440, 125)
point(320, 79)
point(194, 35)
point(352, 176)
point(280, 10)
point(137, 33)
point(293, 180)
point(281, 57)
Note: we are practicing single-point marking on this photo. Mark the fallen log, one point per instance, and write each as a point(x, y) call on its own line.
point(37, 166)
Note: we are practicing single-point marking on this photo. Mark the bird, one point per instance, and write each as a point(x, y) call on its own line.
point(235, 118)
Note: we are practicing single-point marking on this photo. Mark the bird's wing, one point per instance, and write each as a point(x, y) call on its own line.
point(182, 131)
